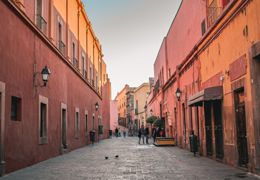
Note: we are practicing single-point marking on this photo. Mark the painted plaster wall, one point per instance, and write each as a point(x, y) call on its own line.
point(160, 63)
point(66, 87)
point(218, 56)
point(140, 96)
point(113, 115)
point(184, 32)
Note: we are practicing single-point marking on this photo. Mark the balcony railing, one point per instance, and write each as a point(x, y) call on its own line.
point(41, 23)
point(75, 63)
point(62, 48)
point(214, 10)
point(156, 87)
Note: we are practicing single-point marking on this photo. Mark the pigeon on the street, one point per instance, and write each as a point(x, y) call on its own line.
point(106, 157)
point(116, 156)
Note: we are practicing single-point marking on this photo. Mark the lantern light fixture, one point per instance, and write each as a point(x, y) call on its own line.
point(178, 93)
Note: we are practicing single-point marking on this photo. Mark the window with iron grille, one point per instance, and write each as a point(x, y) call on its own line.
point(214, 10)
point(40, 21)
point(16, 109)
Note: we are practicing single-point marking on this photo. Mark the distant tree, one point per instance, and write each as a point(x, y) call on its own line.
point(157, 122)
point(151, 119)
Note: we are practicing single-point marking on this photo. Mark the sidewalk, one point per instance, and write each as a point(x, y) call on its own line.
point(134, 162)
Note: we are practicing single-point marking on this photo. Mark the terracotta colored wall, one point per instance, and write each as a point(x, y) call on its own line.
point(185, 31)
point(160, 63)
point(67, 87)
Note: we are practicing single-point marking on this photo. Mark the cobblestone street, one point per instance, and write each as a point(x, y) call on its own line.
point(134, 162)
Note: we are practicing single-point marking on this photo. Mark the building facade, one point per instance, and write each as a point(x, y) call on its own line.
point(210, 55)
point(140, 95)
point(113, 115)
point(40, 122)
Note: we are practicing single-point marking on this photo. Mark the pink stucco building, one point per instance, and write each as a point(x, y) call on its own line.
point(113, 115)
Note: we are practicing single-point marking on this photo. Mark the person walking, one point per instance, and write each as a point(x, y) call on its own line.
point(147, 133)
point(154, 134)
point(141, 134)
point(116, 132)
point(119, 132)
point(124, 131)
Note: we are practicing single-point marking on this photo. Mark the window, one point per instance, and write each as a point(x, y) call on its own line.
point(40, 22)
point(214, 10)
point(203, 27)
point(169, 72)
point(83, 65)
point(43, 120)
point(86, 126)
point(16, 109)
point(100, 71)
point(61, 45)
point(90, 76)
point(74, 60)
point(77, 123)
point(96, 83)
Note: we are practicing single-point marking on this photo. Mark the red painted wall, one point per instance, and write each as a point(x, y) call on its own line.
point(160, 63)
point(185, 31)
point(19, 50)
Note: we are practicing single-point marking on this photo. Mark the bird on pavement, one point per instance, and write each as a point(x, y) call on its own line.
point(116, 156)
point(106, 157)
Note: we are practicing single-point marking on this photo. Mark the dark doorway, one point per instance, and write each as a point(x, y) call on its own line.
point(208, 127)
point(176, 132)
point(64, 129)
point(198, 124)
point(163, 126)
point(241, 128)
point(184, 125)
point(218, 128)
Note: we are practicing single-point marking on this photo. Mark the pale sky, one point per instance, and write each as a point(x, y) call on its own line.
point(131, 33)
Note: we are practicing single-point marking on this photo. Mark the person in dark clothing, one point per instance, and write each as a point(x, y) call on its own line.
point(147, 133)
point(154, 134)
point(116, 132)
point(141, 134)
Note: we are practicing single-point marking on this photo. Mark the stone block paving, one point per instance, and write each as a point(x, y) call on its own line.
point(134, 162)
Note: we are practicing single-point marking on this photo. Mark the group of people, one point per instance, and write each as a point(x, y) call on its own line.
point(144, 132)
point(118, 132)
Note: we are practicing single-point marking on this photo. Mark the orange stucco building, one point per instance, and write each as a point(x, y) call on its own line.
point(211, 54)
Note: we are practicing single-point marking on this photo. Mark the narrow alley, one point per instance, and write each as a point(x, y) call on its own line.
point(134, 162)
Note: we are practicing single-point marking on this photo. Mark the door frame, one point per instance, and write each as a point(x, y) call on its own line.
point(236, 86)
point(64, 150)
point(2, 130)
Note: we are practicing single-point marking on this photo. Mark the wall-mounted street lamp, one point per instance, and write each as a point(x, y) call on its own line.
point(178, 93)
point(96, 106)
point(45, 75)
point(151, 111)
